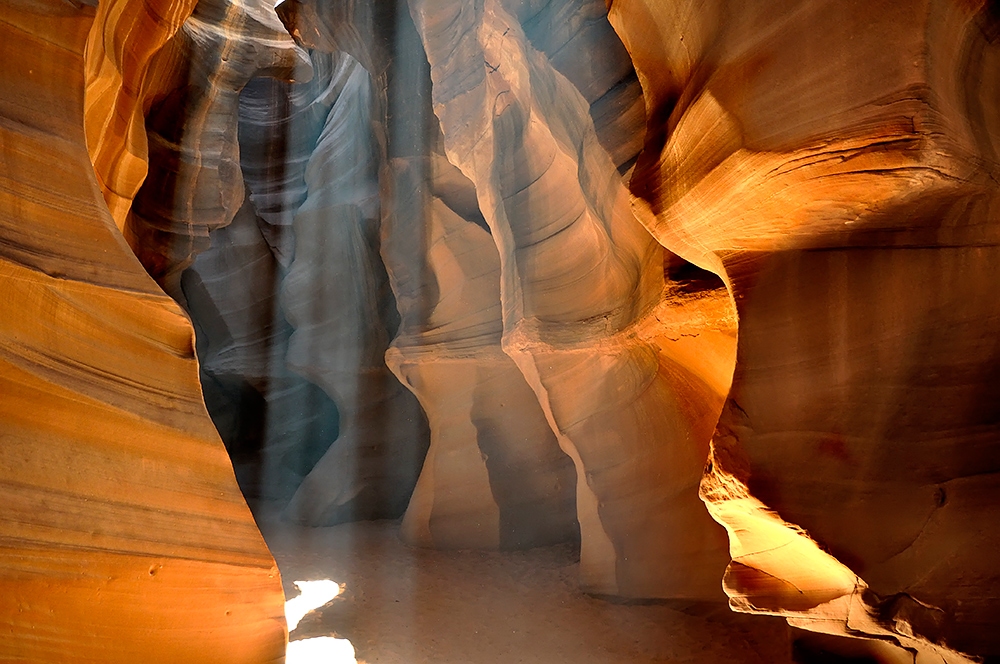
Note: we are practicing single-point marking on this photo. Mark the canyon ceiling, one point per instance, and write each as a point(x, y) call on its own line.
point(708, 287)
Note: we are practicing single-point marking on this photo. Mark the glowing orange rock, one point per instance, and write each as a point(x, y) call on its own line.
point(125, 537)
point(837, 168)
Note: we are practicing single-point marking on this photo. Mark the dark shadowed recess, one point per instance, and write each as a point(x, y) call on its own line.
point(277, 424)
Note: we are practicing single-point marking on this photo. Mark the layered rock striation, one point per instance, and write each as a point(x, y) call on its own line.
point(334, 294)
point(494, 476)
point(124, 536)
point(836, 166)
point(707, 286)
point(582, 290)
point(194, 182)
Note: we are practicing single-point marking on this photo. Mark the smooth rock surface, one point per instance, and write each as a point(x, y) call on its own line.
point(124, 536)
point(835, 163)
point(494, 476)
point(194, 182)
point(706, 286)
point(582, 284)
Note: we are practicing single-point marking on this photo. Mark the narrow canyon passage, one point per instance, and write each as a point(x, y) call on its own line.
point(553, 330)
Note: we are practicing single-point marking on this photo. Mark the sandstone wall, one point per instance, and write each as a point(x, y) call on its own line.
point(705, 286)
point(125, 537)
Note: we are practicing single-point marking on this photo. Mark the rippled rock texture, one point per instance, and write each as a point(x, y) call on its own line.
point(301, 359)
point(494, 476)
point(124, 535)
point(581, 291)
point(848, 197)
point(705, 287)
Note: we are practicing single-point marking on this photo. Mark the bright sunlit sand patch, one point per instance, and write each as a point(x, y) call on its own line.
point(313, 594)
point(322, 649)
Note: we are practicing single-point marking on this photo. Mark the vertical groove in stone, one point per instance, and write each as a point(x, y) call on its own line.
point(585, 316)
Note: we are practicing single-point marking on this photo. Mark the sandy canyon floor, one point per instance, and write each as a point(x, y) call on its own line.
point(403, 605)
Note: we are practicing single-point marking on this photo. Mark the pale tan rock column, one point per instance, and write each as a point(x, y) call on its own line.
point(494, 476)
point(837, 165)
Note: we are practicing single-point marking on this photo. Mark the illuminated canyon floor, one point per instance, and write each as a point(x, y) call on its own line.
point(403, 605)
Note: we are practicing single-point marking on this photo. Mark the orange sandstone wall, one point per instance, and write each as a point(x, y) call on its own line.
point(124, 536)
point(836, 163)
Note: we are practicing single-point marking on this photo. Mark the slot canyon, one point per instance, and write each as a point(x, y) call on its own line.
point(542, 331)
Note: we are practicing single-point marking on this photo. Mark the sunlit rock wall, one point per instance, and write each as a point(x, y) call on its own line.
point(124, 536)
point(494, 476)
point(836, 164)
point(302, 358)
point(586, 313)
point(276, 424)
point(124, 37)
point(194, 182)
point(705, 286)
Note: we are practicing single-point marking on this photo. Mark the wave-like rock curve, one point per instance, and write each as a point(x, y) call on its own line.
point(837, 167)
point(124, 536)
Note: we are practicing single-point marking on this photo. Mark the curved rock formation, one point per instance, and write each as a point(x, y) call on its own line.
point(819, 176)
point(848, 197)
point(280, 123)
point(336, 297)
point(194, 182)
point(331, 296)
point(123, 39)
point(124, 537)
point(582, 291)
point(307, 403)
point(276, 424)
point(494, 476)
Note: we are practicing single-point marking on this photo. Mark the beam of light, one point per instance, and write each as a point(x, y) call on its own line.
point(313, 594)
point(322, 649)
